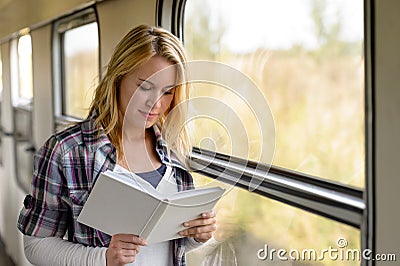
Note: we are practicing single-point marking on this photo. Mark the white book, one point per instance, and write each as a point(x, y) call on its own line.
point(119, 203)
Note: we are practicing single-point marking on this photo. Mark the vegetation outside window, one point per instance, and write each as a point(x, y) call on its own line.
point(1, 76)
point(308, 60)
point(248, 222)
point(80, 48)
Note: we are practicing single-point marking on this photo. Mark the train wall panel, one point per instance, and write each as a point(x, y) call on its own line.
point(117, 17)
point(18, 14)
point(387, 103)
point(42, 85)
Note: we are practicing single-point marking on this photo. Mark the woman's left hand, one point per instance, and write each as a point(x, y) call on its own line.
point(201, 229)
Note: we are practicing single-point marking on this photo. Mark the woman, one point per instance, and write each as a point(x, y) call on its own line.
point(142, 85)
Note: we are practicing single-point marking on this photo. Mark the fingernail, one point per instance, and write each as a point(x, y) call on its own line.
point(204, 214)
point(181, 233)
point(185, 224)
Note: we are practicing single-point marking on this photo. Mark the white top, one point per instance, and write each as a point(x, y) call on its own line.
point(159, 253)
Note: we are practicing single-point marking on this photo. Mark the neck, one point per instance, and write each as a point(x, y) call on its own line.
point(133, 135)
point(130, 132)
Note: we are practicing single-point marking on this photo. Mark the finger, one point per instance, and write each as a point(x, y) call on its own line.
point(128, 252)
point(204, 215)
point(126, 259)
point(130, 238)
point(123, 245)
point(210, 214)
point(198, 230)
point(200, 222)
point(202, 237)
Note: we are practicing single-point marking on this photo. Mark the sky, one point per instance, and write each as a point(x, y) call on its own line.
point(280, 23)
point(84, 38)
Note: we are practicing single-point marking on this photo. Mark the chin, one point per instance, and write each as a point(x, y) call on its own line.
point(149, 124)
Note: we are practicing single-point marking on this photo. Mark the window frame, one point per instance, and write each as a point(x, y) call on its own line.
point(1, 112)
point(21, 107)
point(60, 26)
point(353, 206)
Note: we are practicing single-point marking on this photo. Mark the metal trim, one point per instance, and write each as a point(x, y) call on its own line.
point(332, 200)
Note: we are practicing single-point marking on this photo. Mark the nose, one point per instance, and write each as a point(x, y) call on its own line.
point(154, 102)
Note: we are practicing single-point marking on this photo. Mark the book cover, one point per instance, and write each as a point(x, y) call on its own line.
point(121, 204)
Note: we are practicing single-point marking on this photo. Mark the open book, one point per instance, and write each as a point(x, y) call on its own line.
point(119, 203)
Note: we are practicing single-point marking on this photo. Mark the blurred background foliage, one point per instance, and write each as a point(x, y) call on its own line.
point(317, 99)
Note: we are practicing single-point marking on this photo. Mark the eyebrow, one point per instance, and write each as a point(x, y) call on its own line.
point(151, 83)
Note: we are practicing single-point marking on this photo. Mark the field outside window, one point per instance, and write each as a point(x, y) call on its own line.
point(307, 58)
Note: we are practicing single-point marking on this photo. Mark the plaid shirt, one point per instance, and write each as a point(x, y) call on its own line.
point(65, 170)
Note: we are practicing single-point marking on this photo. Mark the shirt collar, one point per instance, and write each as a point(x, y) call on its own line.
point(93, 135)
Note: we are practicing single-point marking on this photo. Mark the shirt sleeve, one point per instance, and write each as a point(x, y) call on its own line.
point(44, 212)
point(191, 244)
point(62, 252)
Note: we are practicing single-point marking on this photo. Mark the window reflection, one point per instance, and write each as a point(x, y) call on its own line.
point(81, 69)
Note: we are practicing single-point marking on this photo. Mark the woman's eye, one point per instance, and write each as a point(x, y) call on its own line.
point(169, 91)
point(144, 87)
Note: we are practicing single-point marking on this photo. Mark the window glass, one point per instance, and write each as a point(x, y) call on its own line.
point(247, 222)
point(1, 76)
point(306, 56)
point(81, 69)
point(25, 89)
point(1, 93)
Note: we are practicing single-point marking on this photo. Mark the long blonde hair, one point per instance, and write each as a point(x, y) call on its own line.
point(135, 48)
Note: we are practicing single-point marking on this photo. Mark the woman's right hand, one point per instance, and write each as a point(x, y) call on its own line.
point(123, 249)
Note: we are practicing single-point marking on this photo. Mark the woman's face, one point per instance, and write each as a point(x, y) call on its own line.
point(147, 92)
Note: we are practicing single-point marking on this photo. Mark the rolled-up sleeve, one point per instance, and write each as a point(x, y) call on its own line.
point(44, 212)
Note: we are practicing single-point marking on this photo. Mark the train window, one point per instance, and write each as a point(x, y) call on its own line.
point(25, 84)
point(78, 44)
point(1, 93)
point(248, 223)
point(1, 77)
point(307, 58)
point(22, 95)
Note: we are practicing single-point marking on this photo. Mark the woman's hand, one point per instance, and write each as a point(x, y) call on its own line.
point(123, 249)
point(201, 229)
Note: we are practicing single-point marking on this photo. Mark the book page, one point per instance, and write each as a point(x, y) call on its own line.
point(179, 211)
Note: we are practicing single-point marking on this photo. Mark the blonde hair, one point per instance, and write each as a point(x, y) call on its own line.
point(135, 48)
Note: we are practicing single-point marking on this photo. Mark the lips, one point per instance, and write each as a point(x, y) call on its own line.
point(148, 115)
